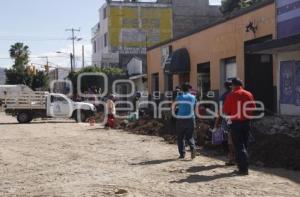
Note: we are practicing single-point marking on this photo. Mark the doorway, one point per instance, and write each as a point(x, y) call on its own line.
point(168, 82)
point(203, 80)
point(155, 82)
point(184, 78)
point(259, 76)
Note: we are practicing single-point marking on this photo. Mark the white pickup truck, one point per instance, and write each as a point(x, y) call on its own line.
point(26, 105)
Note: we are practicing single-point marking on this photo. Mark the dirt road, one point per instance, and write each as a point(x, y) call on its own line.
point(62, 158)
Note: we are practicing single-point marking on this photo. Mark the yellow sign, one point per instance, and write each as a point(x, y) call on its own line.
point(139, 27)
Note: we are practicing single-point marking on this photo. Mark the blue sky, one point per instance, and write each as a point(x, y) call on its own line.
point(41, 25)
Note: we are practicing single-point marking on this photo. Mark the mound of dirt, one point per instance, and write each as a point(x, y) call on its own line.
point(278, 150)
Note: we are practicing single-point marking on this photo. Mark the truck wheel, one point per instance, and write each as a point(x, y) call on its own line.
point(24, 117)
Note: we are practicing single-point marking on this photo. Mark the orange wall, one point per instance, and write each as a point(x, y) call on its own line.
point(215, 43)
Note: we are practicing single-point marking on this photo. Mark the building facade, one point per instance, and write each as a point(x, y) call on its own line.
point(286, 51)
point(191, 14)
point(127, 28)
point(210, 55)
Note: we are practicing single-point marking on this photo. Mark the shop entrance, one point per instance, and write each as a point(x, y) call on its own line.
point(259, 76)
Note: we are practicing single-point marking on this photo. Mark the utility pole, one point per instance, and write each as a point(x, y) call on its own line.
point(71, 58)
point(74, 38)
point(83, 56)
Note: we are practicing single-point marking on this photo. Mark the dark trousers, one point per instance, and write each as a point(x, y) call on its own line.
point(185, 131)
point(240, 136)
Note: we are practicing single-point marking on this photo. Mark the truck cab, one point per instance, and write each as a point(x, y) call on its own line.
point(60, 106)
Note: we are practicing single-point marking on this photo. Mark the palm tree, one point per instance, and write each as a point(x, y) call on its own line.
point(20, 54)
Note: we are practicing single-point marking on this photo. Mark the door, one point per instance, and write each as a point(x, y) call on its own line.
point(203, 80)
point(168, 82)
point(59, 107)
point(259, 78)
point(184, 78)
point(155, 82)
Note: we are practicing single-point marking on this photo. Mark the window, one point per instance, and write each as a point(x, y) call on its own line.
point(104, 13)
point(228, 71)
point(105, 40)
point(95, 46)
point(230, 68)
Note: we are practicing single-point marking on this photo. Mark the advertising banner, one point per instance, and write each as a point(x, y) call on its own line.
point(287, 82)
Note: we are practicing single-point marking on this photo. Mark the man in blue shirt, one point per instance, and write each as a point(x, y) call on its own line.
point(185, 123)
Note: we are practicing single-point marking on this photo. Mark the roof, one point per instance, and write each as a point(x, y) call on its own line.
point(225, 19)
point(290, 43)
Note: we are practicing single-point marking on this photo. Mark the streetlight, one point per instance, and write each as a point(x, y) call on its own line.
point(71, 58)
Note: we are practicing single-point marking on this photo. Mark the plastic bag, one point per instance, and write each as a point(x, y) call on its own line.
point(218, 136)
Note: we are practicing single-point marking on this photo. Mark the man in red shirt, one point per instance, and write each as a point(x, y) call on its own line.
point(238, 107)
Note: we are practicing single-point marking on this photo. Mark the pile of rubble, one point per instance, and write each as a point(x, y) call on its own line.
point(276, 139)
point(149, 127)
point(277, 142)
point(286, 125)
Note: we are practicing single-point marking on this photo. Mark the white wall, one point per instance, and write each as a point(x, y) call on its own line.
point(286, 109)
point(99, 37)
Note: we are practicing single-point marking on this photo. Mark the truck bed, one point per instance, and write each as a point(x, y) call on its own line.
point(34, 100)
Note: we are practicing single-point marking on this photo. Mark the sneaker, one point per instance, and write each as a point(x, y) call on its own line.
point(181, 157)
point(193, 153)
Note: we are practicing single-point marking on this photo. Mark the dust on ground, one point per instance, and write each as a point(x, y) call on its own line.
point(62, 158)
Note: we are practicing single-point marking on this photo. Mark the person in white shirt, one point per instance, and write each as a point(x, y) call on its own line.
point(111, 112)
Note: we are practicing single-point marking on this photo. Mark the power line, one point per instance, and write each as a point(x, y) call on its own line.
point(5, 58)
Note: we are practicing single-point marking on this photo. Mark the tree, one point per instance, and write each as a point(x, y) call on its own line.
point(18, 74)
point(229, 6)
point(90, 81)
point(40, 80)
point(20, 54)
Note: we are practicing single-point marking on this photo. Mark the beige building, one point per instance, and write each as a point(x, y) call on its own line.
point(214, 53)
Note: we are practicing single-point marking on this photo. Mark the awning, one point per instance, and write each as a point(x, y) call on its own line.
point(291, 43)
point(179, 62)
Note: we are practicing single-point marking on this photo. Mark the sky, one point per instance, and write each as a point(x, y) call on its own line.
point(41, 25)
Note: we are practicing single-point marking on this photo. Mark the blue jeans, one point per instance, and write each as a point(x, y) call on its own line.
point(240, 136)
point(185, 131)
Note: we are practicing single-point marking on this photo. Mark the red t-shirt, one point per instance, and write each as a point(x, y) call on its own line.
point(239, 104)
